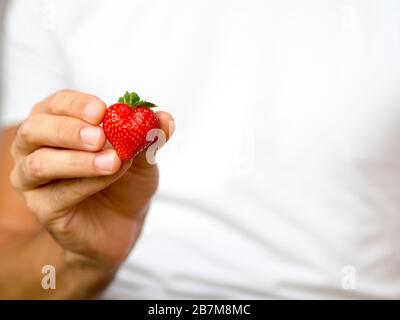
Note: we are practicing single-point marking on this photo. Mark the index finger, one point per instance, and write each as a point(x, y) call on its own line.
point(86, 107)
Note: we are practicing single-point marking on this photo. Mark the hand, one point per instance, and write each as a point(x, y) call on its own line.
point(92, 204)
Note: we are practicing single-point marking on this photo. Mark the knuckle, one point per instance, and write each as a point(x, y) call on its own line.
point(58, 97)
point(31, 202)
point(82, 162)
point(76, 162)
point(60, 94)
point(65, 129)
point(75, 101)
point(78, 99)
point(33, 166)
point(25, 129)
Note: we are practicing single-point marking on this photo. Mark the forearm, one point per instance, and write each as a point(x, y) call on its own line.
point(22, 259)
point(25, 247)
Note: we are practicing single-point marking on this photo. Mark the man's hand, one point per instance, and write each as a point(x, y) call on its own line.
point(89, 201)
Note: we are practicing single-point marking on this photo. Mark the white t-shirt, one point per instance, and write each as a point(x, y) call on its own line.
point(283, 176)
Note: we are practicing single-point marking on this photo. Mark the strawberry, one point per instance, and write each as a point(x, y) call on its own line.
point(127, 123)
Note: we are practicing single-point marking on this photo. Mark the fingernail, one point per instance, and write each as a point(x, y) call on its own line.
point(92, 110)
point(104, 162)
point(90, 136)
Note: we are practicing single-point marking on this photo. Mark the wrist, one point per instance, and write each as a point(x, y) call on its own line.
point(93, 275)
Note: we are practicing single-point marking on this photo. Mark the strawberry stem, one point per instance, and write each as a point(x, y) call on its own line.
point(132, 99)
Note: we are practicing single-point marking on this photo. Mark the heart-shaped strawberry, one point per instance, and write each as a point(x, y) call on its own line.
point(127, 123)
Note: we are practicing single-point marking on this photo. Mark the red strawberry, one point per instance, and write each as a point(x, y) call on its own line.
point(127, 123)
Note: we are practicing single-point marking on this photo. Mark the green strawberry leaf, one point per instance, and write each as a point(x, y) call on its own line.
point(144, 104)
point(129, 98)
point(133, 97)
point(133, 100)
